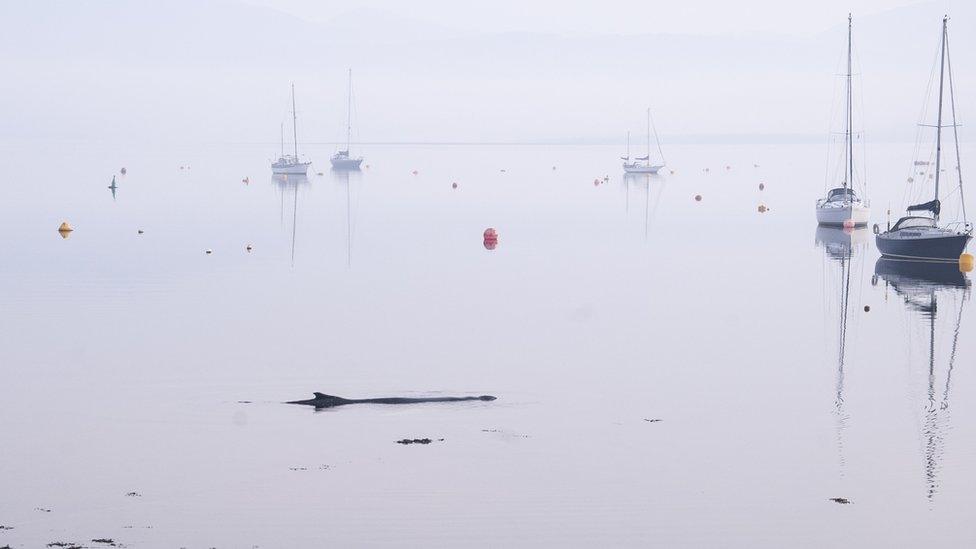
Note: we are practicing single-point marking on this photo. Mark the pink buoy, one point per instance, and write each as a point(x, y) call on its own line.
point(848, 223)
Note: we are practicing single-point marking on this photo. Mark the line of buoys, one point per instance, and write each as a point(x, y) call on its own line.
point(966, 263)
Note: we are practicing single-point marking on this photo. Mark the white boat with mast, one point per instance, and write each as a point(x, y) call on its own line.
point(642, 164)
point(290, 164)
point(923, 236)
point(342, 160)
point(842, 206)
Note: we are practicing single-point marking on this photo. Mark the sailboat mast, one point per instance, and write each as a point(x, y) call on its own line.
point(648, 136)
point(849, 150)
point(349, 113)
point(282, 139)
point(628, 146)
point(938, 128)
point(294, 120)
point(955, 130)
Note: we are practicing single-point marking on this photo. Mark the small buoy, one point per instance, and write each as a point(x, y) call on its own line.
point(209, 251)
point(966, 263)
point(849, 224)
point(140, 231)
point(182, 167)
point(65, 228)
point(490, 238)
point(123, 170)
point(762, 186)
point(762, 208)
point(414, 172)
point(367, 166)
point(727, 167)
point(596, 182)
point(454, 185)
point(503, 170)
point(248, 248)
point(867, 308)
point(755, 165)
point(554, 167)
point(698, 198)
point(246, 180)
point(706, 170)
point(672, 172)
point(320, 173)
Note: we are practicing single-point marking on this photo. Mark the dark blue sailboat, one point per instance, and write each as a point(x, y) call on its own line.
point(922, 236)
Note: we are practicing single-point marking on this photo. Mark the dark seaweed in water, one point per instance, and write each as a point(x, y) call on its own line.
point(64, 544)
point(842, 501)
point(107, 541)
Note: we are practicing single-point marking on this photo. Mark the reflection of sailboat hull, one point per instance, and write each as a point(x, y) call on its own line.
point(940, 246)
point(919, 275)
point(839, 242)
point(837, 217)
point(641, 168)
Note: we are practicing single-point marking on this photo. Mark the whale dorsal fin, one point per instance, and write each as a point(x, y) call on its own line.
point(323, 395)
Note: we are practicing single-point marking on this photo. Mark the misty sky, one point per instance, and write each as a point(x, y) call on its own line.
point(442, 71)
point(609, 16)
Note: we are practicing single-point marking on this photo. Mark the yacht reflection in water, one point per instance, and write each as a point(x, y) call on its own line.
point(646, 181)
point(288, 184)
point(929, 289)
point(844, 251)
point(343, 176)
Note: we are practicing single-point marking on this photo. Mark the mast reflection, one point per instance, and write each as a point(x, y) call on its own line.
point(927, 287)
point(844, 251)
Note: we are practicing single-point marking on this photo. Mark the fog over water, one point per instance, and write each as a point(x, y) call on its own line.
point(679, 360)
point(218, 70)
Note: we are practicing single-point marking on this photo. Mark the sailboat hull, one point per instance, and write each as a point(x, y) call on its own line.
point(290, 169)
point(630, 168)
point(346, 163)
point(946, 247)
point(837, 217)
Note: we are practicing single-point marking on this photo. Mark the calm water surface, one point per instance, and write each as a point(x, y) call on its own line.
point(126, 357)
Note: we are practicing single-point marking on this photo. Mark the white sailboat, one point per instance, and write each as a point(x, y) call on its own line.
point(290, 164)
point(842, 206)
point(342, 160)
point(643, 164)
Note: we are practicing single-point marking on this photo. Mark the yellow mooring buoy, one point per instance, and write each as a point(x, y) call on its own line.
point(966, 263)
point(65, 228)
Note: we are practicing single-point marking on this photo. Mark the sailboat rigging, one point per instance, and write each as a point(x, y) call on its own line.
point(923, 236)
point(643, 164)
point(842, 206)
point(342, 160)
point(290, 164)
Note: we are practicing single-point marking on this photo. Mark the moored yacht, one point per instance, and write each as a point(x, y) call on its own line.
point(342, 160)
point(843, 206)
point(286, 163)
point(643, 164)
point(923, 235)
